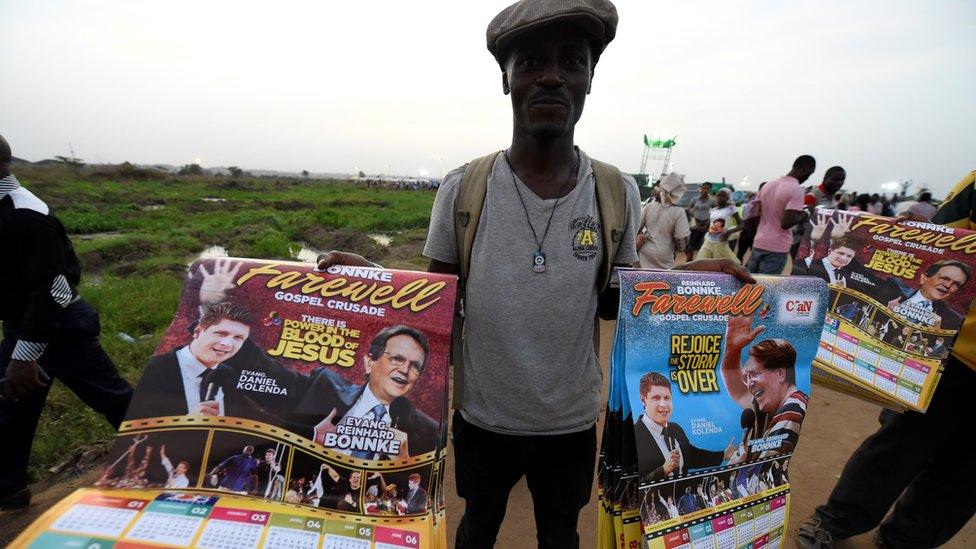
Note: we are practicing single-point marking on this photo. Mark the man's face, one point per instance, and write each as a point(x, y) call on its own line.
point(354, 478)
point(704, 189)
point(834, 181)
point(768, 387)
point(181, 468)
point(394, 373)
point(840, 257)
point(943, 283)
point(218, 342)
point(548, 75)
point(269, 457)
point(657, 404)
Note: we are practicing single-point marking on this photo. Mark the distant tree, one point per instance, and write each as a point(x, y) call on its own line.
point(71, 161)
point(305, 174)
point(191, 169)
point(235, 171)
point(361, 174)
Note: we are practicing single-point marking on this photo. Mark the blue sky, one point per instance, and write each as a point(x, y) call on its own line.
point(883, 88)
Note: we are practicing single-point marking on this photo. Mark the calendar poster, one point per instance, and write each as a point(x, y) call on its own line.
point(293, 391)
point(898, 297)
point(712, 377)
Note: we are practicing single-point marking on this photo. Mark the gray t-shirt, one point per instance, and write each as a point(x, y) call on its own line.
point(702, 209)
point(529, 363)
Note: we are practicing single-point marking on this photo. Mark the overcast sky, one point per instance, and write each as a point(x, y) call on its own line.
point(885, 88)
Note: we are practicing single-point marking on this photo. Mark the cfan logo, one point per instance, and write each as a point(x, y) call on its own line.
point(799, 305)
point(798, 309)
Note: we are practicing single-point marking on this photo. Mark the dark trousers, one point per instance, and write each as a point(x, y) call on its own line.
point(921, 463)
point(78, 360)
point(557, 468)
point(745, 242)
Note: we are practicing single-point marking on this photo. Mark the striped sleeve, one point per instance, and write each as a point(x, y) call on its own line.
point(787, 421)
point(28, 351)
point(958, 210)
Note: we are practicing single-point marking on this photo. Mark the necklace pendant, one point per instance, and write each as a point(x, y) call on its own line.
point(539, 262)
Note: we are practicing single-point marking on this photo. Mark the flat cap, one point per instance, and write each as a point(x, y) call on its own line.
point(597, 17)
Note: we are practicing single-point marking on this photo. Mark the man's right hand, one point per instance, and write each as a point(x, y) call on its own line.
point(336, 257)
point(324, 427)
point(24, 377)
point(672, 463)
point(209, 408)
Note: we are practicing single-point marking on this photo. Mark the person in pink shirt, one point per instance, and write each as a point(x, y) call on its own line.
point(780, 209)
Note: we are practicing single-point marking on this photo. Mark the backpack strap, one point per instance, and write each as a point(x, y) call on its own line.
point(611, 198)
point(467, 210)
point(467, 213)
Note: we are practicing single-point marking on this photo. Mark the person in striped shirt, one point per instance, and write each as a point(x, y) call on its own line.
point(49, 331)
point(765, 384)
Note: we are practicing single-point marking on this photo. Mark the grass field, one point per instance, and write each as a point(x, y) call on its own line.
point(135, 237)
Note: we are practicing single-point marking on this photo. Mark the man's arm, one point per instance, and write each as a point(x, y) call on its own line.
point(738, 334)
point(793, 217)
point(41, 256)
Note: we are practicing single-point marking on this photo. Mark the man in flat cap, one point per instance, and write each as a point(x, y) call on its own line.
point(533, 231)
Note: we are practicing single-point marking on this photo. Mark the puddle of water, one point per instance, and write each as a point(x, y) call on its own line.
point(306, 254)
point(381, 239)
point(153, 207)
point(213, 199)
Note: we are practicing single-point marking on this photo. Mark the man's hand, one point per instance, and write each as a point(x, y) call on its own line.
point(672, 463)
point(640, 240)
point(324, 427)
point(336, 257)
point(730, 449)
point(209, 408)
point(818, 227)
point(894, 303)
point(739, 333)
point(24, 377)
point(162, 451)
point(726, 266)
point(215, 285)
point(402, 437)
point(842, 225)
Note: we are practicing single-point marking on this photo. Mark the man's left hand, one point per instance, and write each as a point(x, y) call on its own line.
point(24, 377)
point(726, 266)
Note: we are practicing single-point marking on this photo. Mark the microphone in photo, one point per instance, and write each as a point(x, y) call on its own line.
point(211, 391)
point(400, 412)
point(746, 421)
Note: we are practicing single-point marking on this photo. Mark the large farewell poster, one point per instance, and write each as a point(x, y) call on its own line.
point(711, 378)
point(284, 407)
point(898, 297)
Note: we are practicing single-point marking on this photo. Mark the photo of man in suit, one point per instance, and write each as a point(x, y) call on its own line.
point(928, 305)
point(663, 448)
point(416, 496)
point(193, 379)
point(393, 366)
point(840, 266)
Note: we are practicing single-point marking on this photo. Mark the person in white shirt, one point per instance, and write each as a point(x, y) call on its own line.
point(177, 475)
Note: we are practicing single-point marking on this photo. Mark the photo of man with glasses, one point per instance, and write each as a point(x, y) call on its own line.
point(393, 365)
point(765, 386)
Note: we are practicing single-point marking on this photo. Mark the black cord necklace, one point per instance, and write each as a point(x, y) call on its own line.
point(539, 258)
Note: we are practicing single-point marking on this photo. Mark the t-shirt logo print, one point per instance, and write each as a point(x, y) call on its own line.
point(586, 237)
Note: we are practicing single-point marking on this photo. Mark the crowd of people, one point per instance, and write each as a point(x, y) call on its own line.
point(507, 403)
point(724, 223)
